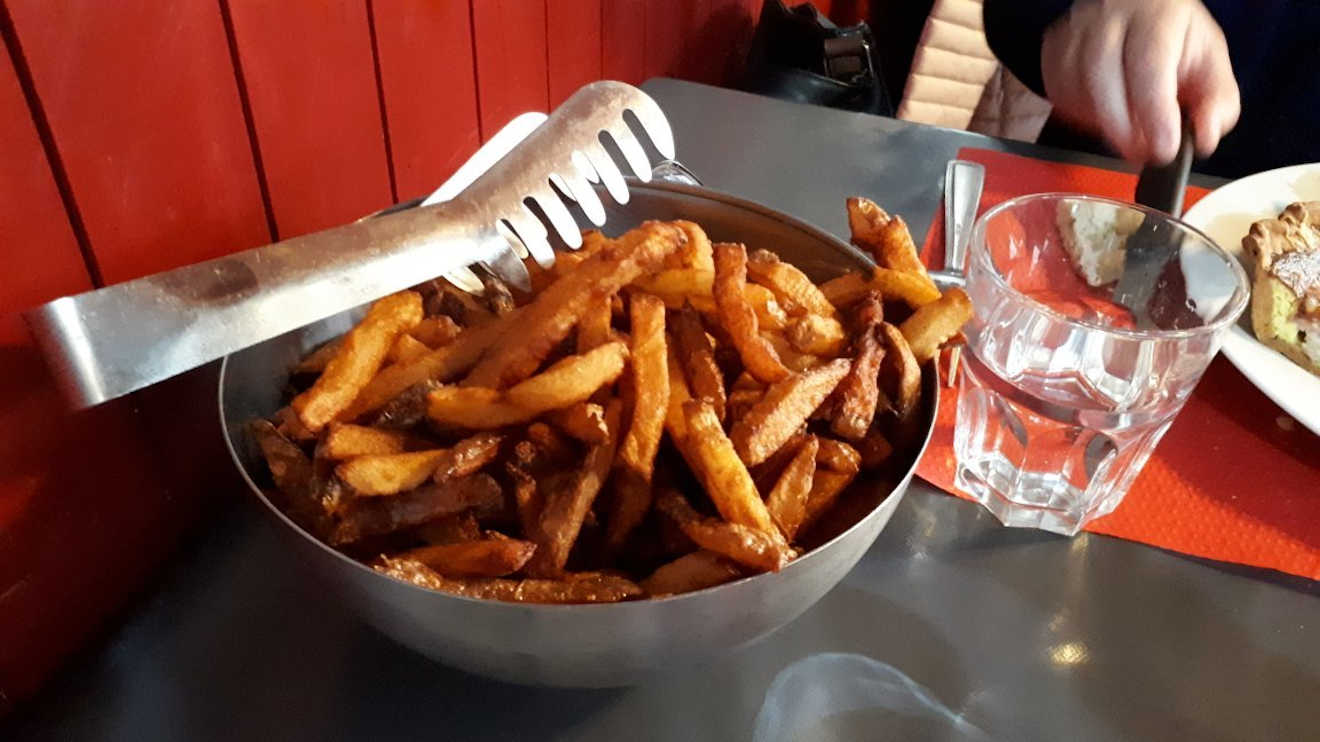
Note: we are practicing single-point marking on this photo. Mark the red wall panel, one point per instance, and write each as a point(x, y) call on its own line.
point(623, 40)
point(143, 105)
point(312, 85)
point(429, 82)
point(573, 35)
point(510, 44)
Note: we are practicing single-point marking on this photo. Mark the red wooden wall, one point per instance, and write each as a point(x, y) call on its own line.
point(138, 135)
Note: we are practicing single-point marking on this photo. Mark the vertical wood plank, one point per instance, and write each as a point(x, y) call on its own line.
point(667, 23)
point(312, 86)
point(143, 106)
point(573, 36)
point(623, 40)
point(510, 45)
point(429, 83)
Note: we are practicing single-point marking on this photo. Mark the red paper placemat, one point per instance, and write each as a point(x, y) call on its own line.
point(1234, 479)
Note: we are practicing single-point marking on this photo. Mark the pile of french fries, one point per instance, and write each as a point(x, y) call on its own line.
point(659, 415)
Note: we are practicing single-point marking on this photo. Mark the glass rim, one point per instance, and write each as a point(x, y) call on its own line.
point(1230, 314)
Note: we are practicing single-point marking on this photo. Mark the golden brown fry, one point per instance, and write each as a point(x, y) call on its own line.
point(886, 238)
point(865, 220)
point(726, 480)
point(291, 427)
point(787, 501)
point(817, 335)
point(679, 286)
point(552, 314)
point(528, 495)
point(679, 394)
point(566, 507)
point(344, 441)
point(551, 444)
point(934, 324)
point(593, 329)
point(650, 383)
point(584, 421)
point(838, 456)
point(462, 307)
point(784, 408)
point(450, 529)
point(746, 381)
point(406, 348)
point(376, 516)
point(698, 357)
point(571, 380)
point(825, 491)
point(755, 548)
point(901, 367)
point(468, 456)
point(289, 466)
point(314, 362)
point(492, 557)
point(742, 401)
point(738, 317)
point(358, 358)
point(696, 252)
point(875, 450)
point(442, 364)
point(388, 474)
point(585, 587)
point(691, 572)
point(678, 282)
point(436, 331)
point(475, 408)
point(892, 284)
point(795, 292)
point(858, 394)
point(497, 296)
point(790, 356)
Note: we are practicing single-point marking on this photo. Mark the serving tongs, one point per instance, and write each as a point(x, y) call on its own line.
point(106, 343)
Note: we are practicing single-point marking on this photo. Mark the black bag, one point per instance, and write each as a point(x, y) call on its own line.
point(797, 54)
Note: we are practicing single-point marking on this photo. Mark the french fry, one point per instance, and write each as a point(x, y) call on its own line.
point(738, 317)
point(726, 480)
point(934, 324)
point(817, 335)
point(551, 444)
point(358, 358)
point(584, 421)
point(696, 252)
point(791, 286)
point(865, 221)
point(892, 284)
point(901, 366)
point(858, 394)
point(825, 490)
point(790, 356)
point(289, 466)
point(698, 357)
point(436, 331)
point(742, 401)
point(571, 380)
point(344, 441)
point(475, 408)
point(679, 394)
point(388, 474)
point(492, 557)
point(315, 362)
point(450, 529)
point(886, 238)
point(496, 294)
point(594, 328)
point(405, 411)
point(376, 516)
point(875, 450)
point(291, 426)
point(528, 497)
point(691, 572)
point(553, 313)
point(462, 307)
point(838, 456)
point(680, 286)
point(784, 408)
point(406, 348)
point(566, 507)
point(468, 456)
point(755, 548)
point(787, 501)
point(678, 282)
point(587, 587)
point(636, 455)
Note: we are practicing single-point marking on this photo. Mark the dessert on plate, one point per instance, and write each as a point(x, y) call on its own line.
point(1285, 296)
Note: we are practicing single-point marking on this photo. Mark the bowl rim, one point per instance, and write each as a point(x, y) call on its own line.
point(930, 381)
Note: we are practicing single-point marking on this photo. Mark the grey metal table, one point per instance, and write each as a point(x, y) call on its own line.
point(1029, 636)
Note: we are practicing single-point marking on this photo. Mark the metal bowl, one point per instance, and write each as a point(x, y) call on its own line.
point(582, 645)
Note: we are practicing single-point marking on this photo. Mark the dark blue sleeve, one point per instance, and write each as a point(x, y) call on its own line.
point(1015, 28)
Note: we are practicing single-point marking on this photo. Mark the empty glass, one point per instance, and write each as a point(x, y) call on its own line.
point(1068, 387)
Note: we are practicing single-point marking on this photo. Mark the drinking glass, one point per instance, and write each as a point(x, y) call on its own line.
point(1068, 387)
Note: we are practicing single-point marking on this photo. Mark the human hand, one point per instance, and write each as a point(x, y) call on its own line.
point(1127, 69)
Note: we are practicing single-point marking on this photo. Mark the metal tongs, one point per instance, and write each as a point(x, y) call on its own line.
point(106, 343)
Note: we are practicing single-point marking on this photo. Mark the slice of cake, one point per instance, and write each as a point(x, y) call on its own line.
point(1285, 297)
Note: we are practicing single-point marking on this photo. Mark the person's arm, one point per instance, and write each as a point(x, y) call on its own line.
point(1016, 29)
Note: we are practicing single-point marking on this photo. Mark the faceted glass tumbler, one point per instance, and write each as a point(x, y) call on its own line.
point(1068, 387)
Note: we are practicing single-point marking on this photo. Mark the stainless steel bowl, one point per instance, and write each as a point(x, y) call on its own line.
point(581, 645)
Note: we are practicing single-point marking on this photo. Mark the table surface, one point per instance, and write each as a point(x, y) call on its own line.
point(1019, 634)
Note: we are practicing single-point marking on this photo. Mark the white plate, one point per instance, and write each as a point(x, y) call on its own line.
point(1226, 215)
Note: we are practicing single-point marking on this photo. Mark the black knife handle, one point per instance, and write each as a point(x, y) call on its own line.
point(1161, 187)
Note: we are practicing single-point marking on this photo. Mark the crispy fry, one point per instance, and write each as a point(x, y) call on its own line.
point(358, 358)
point(498, 297)
point(865, 220)
point(791, 357)
point(636, 456)
point(468, 456)
point(698, 357)
point(742, 401)
point(566, 507)
point(875, 450)
point(571, 380)
point(784, 408)
point(934, 324)
point(679, 394)
point(859, 393)
point(291, 427)
point(696, 252)
point(462, 307)
point(375, 516)
point(901, 367)
point(551, 444)
point(594, 327)
point(388, 474)
point(715, 462)
point(344, 441)
point(892, 284)
point(314, 362)
point(817, 335)
point(886, 238)
point(436, 331)
point(475, 408)
point(585, 587)
point(289, 466)
point(755, 548)
point(492, 557)
point(450, 529)
point(680, 286)
point(838, 456)
point(584, 421)
point(791, 286)
point(678, 282)
point(787, 501)
point(738, 317)
point(406, 348)
point(825, 491)
point(691, 572)
point(550, 316)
